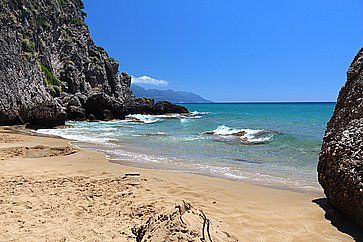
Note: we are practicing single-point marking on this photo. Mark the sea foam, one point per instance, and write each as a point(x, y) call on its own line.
point(247, 136)
point(140, 118)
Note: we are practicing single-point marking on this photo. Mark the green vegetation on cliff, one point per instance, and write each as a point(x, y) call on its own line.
point(49, 77)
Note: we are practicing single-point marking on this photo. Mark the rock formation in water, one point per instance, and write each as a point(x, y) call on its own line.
point(341, 160)
point(51, 70)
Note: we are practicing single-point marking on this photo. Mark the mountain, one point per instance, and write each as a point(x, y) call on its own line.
point(51, 70)
point(168, 95)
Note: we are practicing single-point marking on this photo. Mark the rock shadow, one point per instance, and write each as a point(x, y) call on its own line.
point(339, 220)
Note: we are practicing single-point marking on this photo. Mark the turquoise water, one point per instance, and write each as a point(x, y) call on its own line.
point(270, 144)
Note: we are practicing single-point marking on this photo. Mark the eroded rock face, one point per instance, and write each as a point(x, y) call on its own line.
point(45, 51)
point(341, 160)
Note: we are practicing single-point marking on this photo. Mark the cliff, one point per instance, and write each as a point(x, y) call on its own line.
point(51, 70)
point(340, 165)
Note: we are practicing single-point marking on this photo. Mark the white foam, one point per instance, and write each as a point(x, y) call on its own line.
point(196, 113)
point(149, 119)
point(106, 129)
point(146, 119)
point(183, 120)
point(252, 136)
point(70, 134)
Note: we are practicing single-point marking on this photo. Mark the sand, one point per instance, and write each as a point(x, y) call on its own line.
point(53, 191)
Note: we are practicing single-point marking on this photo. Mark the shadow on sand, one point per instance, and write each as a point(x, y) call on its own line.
point(338, 220)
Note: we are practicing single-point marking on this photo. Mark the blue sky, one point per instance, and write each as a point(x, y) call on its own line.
point(233, 50)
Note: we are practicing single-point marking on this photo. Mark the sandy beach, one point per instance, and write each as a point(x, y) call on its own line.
point(53, 191)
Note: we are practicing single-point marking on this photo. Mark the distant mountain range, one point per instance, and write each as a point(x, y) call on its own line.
point(168, 95)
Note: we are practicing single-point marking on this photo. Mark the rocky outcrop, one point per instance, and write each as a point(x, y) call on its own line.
point(148, 106)
point(340, 165)
point(167, 107)
point(46, 52)
point(45, 115)
point(140, 106)
point(104, 107)
point(48, 59)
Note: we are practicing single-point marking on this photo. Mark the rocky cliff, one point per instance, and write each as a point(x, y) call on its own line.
point(51, 70)
point(341, 160)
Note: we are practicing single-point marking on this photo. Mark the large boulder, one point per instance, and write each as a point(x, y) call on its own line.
point(147, 106)
point(104, 107)
point(140, 106)
point(76, 113)
point(340, 165)
point(46, 115)
point(163, 107)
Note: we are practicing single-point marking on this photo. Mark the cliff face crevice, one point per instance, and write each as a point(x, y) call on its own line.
point(340, 165)
point(50, 65)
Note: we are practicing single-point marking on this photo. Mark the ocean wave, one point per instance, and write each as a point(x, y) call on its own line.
point(140, 118)
point(71, 135)
point(105, 129)
point(179, 116)
point(199, 113)
point(246, 136)
point(149, 119)
point(150, 134)
point(183, 120)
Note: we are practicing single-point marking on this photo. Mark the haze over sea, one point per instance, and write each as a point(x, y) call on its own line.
point(273, 144)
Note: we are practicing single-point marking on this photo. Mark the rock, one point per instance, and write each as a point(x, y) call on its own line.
point(340, 165)
point(92, 118)
point(74, 101)
point(45, 115)
point(107, 114)
point(104, 107)
point(147, 106)
point(82, 98)
point(57, 91)
point(140, 106)
point(76, 113)
point(164, 107)
point(47, 54)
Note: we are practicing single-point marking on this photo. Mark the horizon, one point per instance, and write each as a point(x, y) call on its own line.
point(232, 102)
point(296, 52)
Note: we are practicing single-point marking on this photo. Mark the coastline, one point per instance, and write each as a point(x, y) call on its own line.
point(243, 211)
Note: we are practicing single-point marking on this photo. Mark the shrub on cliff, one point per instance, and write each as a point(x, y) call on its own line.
point(49, 77)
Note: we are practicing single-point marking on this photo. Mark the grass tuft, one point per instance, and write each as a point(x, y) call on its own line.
point(49, 77)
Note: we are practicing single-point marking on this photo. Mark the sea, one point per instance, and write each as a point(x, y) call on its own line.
point(269, 144)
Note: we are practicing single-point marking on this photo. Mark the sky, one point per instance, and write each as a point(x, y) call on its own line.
point(232, 50)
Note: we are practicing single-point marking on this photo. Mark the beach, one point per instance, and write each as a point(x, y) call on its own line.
point(53, 191)
point(275, 145)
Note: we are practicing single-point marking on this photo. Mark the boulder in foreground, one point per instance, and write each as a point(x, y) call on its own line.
point(340, 165)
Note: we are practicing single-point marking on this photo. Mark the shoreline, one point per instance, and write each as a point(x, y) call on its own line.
point(243, 211)
point(245, 181)
point(275, 182)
